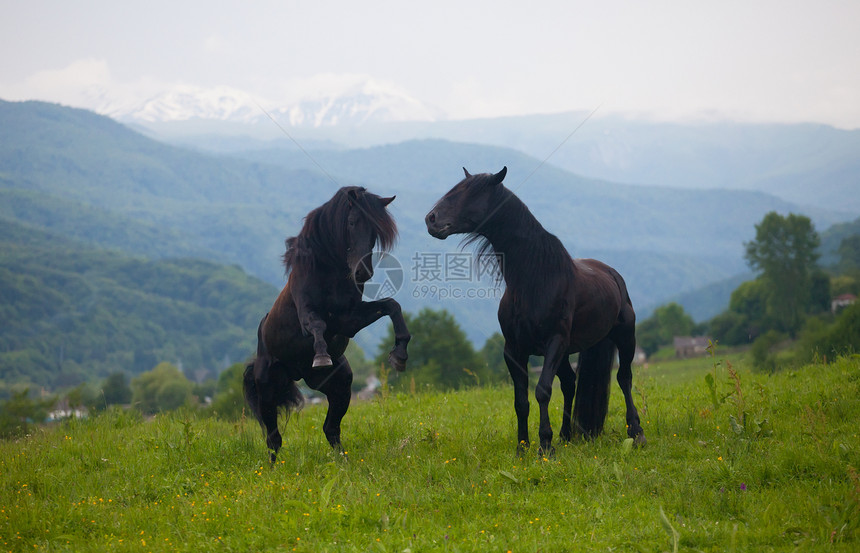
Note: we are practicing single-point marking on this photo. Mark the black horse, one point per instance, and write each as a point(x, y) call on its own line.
point(307, 330)
point(553, 306)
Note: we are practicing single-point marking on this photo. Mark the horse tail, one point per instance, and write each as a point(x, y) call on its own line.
point(267, 383)
point(592, 388)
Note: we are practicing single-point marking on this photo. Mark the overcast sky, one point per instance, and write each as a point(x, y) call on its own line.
point(784, 60)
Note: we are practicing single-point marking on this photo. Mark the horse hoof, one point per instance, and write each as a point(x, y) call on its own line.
point(547, 452)
point(397, 363)
point(272, 458)
point(639, 440)
point(322, 361)
point(522, 448)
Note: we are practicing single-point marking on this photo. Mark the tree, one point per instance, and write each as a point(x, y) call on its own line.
point(827, 341)
point(85, 396)
point(493, 353)
point(229, 401)
point(849, 253)
point(362, 367)
point(440, 355)
point(20, 412)
point(746, 315)
point(819, 292)
point(730, 328)
point(659, 329)
point(164, 388)
point(116, 389)
point(784, 252)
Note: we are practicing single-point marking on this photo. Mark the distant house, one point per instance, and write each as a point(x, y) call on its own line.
point(691, 346)
point(841, 302)
point(62, 410)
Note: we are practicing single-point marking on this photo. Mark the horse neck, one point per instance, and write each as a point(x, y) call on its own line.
point(529, 251)
point(316, 257)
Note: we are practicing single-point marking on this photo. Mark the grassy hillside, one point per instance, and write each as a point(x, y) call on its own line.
point(438, 472)
point(72, 313)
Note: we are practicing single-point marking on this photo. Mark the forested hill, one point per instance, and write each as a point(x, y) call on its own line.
point(75, 174)
point(79, 174)
point(71, 312)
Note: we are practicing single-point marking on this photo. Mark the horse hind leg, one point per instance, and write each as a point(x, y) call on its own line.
point(567, 378)
point(269, 412)
point(337, 387)
point(626, 350)
point(266, 409)
point(269, 388)
point(594, 373)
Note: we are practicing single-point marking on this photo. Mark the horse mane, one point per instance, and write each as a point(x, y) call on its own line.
point(538, 251)
point(324, 235)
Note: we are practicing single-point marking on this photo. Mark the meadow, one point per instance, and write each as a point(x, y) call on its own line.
point(737, 461)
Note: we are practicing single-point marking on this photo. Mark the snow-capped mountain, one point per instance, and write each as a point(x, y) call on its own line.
point(356, 104)
point(186, 102)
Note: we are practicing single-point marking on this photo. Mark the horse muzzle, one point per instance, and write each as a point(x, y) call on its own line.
point(362, 272)
point(435, 228)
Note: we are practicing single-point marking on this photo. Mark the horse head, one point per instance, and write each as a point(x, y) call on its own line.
point(367, 222)
point(341, 234)
point(466, 206)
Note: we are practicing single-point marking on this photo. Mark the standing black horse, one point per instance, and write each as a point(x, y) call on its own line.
point(553, 306)
point(307, 330)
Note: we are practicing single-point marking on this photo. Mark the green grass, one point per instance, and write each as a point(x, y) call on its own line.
point(438, 472)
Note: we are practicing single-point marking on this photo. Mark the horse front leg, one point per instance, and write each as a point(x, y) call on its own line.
point(518, 367)
point(367, 313)
point(555, 351)
point(314, 325)
point(398, 355)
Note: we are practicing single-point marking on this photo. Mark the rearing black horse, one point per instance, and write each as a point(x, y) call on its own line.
point(307, 330)
point(553, 306)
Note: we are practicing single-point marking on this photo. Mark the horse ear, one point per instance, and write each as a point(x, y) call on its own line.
point(467, 172)
point(352, 194)
point(386, 201)
point(500, 176)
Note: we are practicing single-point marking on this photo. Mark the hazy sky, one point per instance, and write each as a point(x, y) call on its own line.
point(783, 60)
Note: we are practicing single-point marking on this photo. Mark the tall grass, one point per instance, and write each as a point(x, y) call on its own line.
point(438, 472)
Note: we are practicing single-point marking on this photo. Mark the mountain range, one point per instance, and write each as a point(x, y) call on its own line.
point(356, 103)
point(76, 174)
point(786, 160)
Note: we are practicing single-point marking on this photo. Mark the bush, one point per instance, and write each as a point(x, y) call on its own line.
point(116, 389)
point(164, 388)
point(820, 340)
point(763, 351)
point(20, 412)
point(229, 400)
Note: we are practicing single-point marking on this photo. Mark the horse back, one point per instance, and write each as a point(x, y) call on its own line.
point(602, 302)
